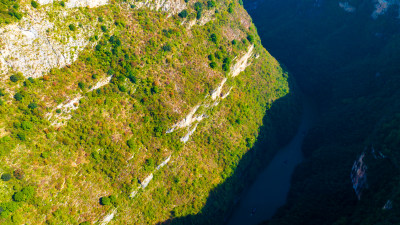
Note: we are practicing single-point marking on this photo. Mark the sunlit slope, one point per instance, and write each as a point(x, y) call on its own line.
point(129, 112)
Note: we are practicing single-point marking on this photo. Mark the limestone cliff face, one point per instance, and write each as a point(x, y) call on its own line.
point(42, 40)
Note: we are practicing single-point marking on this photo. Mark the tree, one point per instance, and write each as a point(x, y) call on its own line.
point(33, 105)
point(103, 28)
point(105, 201)
point(210, 4)
point(214, 38)
point(72, 27)
point(250, 38)
point(81, 85)
point(24, 195)
point(18, 96)
point(6, 177)
point(183, 14)
point(34, 4)
point(14, 78)
point(213, 65)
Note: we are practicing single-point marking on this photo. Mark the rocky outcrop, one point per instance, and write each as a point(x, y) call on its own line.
point(381, 6)
point(347, 7)
point(170, 6)
point(78, 3)
point(359, 175)
point(37, 43)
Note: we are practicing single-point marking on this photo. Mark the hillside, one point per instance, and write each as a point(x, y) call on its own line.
point(134, 112)
point(345, 54)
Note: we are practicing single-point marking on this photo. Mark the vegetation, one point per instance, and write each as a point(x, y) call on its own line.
point(74, 144)
point(9, 11)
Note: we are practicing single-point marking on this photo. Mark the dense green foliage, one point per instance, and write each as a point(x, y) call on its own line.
point(9, 11)
point(85, 148)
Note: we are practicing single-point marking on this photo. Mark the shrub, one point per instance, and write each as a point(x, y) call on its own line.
point(2, 92)
point(230, 8)
point(72, 27)
point(234, 42)
point(100, 19)
point(183, 14)
point(58, 111)
point(24, 195)
point(25, 125)
point(18, 96)
point(166, 48)
point(6, 177)
point(214, 38)
point(14, 78)
point(198, 16)
point(81, 85)
point(213, 65)
point(33, 105)
point(103, 28)
point(198, 6)
point(44, 155)
point(250, 38)
point(186, 1)
point(122, 88)
point(21, 136)
point(62, 3)
point(94, 76)
point(105, 201)
point(34, 4)
point(131, 144)
point(210, 4)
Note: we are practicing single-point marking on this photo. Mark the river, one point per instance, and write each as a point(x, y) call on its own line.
point(269, 191)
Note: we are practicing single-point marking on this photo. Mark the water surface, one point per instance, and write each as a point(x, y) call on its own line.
point(270, 189)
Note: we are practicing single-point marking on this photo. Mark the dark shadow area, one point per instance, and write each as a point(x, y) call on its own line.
point(279, 125)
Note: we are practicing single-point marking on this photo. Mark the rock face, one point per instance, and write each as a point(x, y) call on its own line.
point(78, 3)
point(35, 45)
point(359, 175)
point(171, 6)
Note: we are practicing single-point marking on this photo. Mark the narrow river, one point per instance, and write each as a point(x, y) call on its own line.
point(270, 189)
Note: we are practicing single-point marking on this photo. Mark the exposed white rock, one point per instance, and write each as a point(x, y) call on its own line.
point(217, 92)
point(188, 120)
point(382, 6)
point(226, 95)
point(78, 3)
point(388, 205)
point(187, 136)
point(164, 162)
point(59, 119)
point(134, 192)
point(347, 7)
point(242, 63)
point(146, 181)
point(101, 83)
point(171, 6)
point(35, 45)
point(108, 218)
point(85, 3)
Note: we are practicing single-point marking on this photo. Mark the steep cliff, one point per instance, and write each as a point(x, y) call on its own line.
point(345, 54)
point(133, 112)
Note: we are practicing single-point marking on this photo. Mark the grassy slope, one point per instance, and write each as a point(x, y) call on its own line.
point(72, 166)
